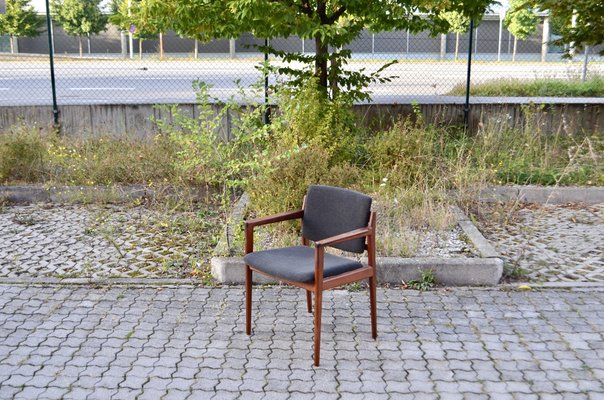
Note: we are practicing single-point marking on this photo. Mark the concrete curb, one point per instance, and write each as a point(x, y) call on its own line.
point(99, 281)
point(30, 194)
point(544, 194)
point(485, 249)
point(393, 270)
point(138, 282)
point(458, 271)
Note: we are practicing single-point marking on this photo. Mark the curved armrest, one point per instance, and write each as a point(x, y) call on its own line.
point(251, 223)
point(274, 218)
point(343, 237)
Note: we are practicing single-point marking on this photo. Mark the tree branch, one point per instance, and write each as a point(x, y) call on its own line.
point(304, 7)
point(334, 17)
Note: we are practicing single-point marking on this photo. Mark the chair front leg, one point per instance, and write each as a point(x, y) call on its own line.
point(318, 309)
point(373, 278)
point(372, 301)
point(248, 300)
point(319, 257)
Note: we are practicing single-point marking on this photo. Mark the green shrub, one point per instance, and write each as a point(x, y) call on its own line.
point(283, 185)
point(308, 118)
point(313, 140)
point(209, 156)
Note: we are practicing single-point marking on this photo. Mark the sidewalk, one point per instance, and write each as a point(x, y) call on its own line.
point(188, 342)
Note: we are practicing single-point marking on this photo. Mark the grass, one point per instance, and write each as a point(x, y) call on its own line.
point(426, 281)
point(592, 87)
point(27, 155)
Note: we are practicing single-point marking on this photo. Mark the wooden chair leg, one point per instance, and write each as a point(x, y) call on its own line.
point(372, 301)
point(248, 300)
point(309, 301)
point(318, 309)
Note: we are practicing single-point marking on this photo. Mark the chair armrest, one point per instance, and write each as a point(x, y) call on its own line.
point(286, 216)
point(343, 237)
point(251, 223)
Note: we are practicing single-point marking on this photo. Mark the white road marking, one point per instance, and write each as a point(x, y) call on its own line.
point(104, 88)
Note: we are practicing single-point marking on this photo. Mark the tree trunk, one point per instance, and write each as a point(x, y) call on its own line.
point(456, 45)
point(514, 52)
point(12, 44)
point(161, 45)
point(334, 68)
point(140, 48)
point(89, 51)
point(196, 50)
point(321, 55)
point(81, 47)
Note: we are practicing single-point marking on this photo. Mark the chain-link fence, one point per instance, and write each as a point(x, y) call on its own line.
point(117, 67)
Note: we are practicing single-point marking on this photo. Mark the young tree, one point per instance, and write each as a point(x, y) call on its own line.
point(20, 20)
point(127, 16)
point(521, 21)
point(458, 23)
point(79, 18)
point(588, 29)
point(332, 24)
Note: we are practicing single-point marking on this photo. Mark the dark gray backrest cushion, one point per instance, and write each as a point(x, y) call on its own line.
point(330, 211)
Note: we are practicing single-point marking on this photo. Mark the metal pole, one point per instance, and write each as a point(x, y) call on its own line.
point(585, 60)
point(130, 44)
point(55, 108)
point(466, 111)
point(373, 43)
point(499, 41)
point(267, 110)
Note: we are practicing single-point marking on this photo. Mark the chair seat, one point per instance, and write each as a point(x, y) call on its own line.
point(297, 263)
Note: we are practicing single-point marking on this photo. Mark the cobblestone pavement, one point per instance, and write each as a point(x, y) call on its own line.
point(552, 243)
point(99, 242)
point(189, 342)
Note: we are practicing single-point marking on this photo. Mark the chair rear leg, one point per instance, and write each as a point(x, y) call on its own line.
point(318, 309)
point(309, 301)
point(372, 301)
point(248, 300)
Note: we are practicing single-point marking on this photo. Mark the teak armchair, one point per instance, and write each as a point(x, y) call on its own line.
point(330, 216)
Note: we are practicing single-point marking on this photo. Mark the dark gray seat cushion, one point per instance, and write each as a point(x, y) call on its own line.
point(298, 263)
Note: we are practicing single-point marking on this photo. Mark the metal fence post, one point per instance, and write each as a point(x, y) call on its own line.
point(267, 110)
point(466, 111)
point(55, 109)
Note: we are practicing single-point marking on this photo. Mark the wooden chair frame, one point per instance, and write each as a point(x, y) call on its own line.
point(320, 284)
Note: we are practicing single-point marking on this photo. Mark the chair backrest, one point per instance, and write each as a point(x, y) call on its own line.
point(330, 211)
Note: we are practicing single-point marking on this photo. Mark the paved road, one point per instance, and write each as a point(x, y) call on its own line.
point(149, 81)
point(189, 342)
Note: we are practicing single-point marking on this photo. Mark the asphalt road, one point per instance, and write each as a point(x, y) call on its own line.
point(148, 81)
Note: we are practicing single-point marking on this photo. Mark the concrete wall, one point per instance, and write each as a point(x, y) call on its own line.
point(120, 119)
point(395, 42)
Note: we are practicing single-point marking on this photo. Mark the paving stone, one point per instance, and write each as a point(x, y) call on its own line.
point(469, 371)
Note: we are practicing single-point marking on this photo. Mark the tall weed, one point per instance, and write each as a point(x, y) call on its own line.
point(23, 155)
